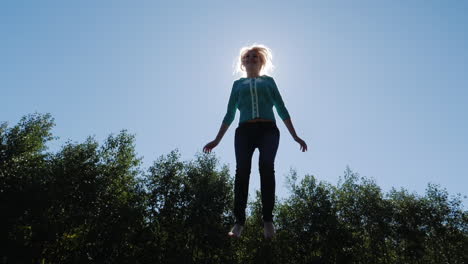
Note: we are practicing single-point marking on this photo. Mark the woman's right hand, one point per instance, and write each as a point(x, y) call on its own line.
point(211, 145)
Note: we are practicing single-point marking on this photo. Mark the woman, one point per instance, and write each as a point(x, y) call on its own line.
point(255, 95)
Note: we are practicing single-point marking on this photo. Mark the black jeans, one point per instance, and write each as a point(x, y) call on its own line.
point(249, 136)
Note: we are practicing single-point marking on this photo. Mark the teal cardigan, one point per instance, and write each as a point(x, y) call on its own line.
point(255, 98)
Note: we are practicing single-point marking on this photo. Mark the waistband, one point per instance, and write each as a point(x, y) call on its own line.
point(258, 124)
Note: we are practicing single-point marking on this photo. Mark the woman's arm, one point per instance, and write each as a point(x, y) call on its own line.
point(292, 131)
point(211, 145)
point(227, 120)
point(284, 114)
point(221, 132)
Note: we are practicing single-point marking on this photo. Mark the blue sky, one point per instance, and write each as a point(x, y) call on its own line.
point(380, 86)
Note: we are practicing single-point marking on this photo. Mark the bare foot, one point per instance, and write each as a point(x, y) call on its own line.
point(236, 231)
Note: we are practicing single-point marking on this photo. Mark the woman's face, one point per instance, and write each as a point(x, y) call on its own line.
point(252, 61)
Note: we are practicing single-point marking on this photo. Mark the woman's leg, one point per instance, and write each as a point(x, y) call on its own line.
point(244, 148)
point(268, 145)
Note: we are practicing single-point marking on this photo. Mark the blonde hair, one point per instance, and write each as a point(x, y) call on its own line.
point(266, 58)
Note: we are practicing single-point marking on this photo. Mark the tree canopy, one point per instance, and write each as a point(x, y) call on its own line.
point(92, 203)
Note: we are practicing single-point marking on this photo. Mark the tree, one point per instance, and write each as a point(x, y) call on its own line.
point(23, 182)
point(91, 202)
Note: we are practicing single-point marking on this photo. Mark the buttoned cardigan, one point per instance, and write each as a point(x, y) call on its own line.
point(255, 98)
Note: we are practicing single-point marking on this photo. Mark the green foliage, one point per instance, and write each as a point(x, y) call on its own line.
point(189, 209)
point(91, 203)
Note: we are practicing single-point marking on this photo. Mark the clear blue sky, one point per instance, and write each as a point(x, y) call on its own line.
point(381, 86)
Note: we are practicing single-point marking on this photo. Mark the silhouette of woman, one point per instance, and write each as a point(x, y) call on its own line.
point(255, 95)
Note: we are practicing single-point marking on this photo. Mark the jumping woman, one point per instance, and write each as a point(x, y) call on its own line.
point(254, 95)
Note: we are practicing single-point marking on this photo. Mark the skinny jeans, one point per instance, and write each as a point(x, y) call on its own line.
point(249, 136)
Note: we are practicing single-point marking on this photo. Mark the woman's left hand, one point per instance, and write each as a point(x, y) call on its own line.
point(302, 143)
